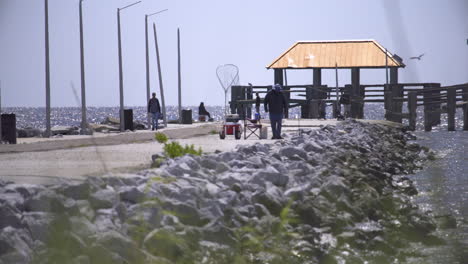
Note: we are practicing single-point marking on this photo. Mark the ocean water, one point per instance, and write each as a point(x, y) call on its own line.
point(71, 116)
point(443, 192)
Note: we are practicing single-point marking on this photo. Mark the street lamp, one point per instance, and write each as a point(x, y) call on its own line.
point(120, 66)
point(84, 123)
point(147, 60)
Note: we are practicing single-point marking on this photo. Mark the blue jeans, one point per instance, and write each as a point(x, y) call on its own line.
point(276, 120)
point(154, 120)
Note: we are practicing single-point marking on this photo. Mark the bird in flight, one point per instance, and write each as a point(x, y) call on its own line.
point(417, 57)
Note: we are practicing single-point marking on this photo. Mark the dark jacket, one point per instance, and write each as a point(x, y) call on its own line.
point(153, 106)
point(257, 102)
point(275, 102)
point(202, 110)
point(345, 99)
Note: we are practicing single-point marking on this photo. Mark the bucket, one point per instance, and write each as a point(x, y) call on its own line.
point(264, 133)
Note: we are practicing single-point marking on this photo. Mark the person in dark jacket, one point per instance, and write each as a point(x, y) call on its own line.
point(154, 109)
point(345, 100)
point(202, 111)
point(257, 103)
point(275, 104)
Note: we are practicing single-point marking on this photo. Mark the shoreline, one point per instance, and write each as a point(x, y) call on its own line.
point(336, 188)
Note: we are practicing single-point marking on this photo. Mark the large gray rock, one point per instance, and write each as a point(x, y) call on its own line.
point(293, 153)
point(12, 198)
point(9, 216)
point(105, 198)
point(76, 190)
point(14, 246)
point(45, 201)
point(38, 224)
point(118, 243)
point(262, 177)
point(131, 194)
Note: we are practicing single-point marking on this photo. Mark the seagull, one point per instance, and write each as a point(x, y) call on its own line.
point(417, 57)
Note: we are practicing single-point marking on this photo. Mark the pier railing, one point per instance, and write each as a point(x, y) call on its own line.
point(435, 99)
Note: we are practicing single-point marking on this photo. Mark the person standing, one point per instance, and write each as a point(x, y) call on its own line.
point(257, 103)
point(275, 104)
point(154, 109)
point(346, 102)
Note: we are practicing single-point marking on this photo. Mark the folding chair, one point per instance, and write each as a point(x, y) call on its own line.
point(253, 127)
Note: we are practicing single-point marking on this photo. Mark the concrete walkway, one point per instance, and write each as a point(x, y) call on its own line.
point(40, 160)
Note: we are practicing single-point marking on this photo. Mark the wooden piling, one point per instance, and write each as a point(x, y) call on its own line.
point(436, 108)
point(465, 107)
point(412, 107)
point(451, 104)
point(427, 109)
point(396, 105)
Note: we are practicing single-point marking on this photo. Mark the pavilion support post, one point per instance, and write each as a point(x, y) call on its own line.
point(412, 107)
point(394, 75)
point(318, 95)
point(279, 80)
point(451, 104)
point(465, 108)
point(356, 100)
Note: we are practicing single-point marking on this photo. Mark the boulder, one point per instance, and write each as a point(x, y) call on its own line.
point(45, 201)
point(118, 243)
point(105, 198)
point(131, 194)
point(9, 216)
point(76, 190)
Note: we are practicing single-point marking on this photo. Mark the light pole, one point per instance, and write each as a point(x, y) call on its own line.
point(47, 68)
point(84, 122)
point(148, 87)
point(120, 66)
point(163, 102)
point(179, 76)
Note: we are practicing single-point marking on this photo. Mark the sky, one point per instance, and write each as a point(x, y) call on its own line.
point(247, 33)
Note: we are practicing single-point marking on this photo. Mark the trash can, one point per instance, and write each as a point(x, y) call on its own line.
point(187, 116)
point(9, 128)
point(128, 119)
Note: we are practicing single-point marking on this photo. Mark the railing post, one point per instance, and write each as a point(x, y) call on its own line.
point(412, 107)
point(436, 108)
point(362, 95)
point(355, 101)
point(465, 107)
point(451, 104)
point(427, 109)
point(396, 106)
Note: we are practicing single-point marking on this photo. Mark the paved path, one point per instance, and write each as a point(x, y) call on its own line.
point(75, 157)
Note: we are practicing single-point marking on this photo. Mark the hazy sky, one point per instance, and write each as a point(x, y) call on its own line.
point(248, 33)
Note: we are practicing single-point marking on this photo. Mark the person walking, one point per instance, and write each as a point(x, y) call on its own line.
point(275, 104)
point(257, 103)
point(345, 100)
point(154, 109)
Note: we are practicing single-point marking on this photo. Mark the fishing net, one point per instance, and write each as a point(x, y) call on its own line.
point(228, 75)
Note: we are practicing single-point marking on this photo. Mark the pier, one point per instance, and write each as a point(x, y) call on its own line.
point(355, 55)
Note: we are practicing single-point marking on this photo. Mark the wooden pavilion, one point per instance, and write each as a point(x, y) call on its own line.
point(337, 54)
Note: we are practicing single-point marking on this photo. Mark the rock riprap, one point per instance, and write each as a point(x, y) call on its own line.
point(326, 196)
